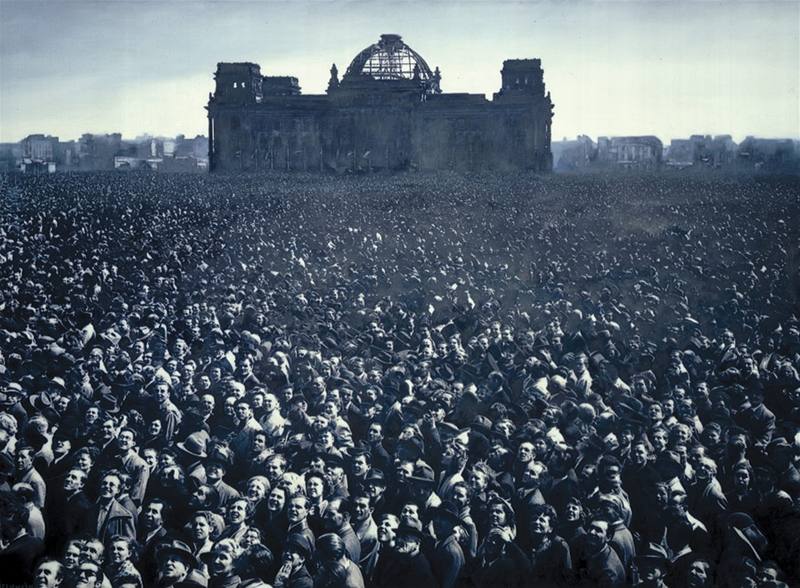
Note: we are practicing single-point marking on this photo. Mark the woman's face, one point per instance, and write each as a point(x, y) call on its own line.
point(497, 515)
point(314, 487)
point(120, 552)
point(276, 500)
point(84, 462)
point(256, 490)
point(221, 563)
point(742, 479)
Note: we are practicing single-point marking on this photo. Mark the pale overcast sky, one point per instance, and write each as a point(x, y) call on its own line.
point(614, 68)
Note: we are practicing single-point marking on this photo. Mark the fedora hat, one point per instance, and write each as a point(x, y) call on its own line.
point(194, 445)
point(176, 547)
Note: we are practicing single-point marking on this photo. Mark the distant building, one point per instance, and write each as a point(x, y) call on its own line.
point(571, 155)
point(39, 148)
point(643, 152)
point(387, 112)
point(701, 151)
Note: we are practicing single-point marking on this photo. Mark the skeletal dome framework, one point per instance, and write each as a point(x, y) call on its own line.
point(390, 59)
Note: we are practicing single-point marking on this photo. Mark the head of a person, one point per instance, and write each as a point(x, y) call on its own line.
point(72, 554)
point(361, 506)
point(297, 509)
point(110, 485)
point(387, 528)
point(543, 520)
point(121, 549)
point(223, 559)
point(238, 512)
point(94, 549)
point(48, 574)
point(336, 514)
point(88, 574)
point(13, 515)
point(154, 513)
point(699, 574)
point(202, 527)
point(598, 533)
point(331, 549)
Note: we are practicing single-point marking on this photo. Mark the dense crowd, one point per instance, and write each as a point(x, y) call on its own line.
point(399, 381)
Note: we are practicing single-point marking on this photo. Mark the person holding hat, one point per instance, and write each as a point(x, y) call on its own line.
point(294, 571)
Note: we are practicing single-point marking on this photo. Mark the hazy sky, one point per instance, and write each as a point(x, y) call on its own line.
point(613, 68)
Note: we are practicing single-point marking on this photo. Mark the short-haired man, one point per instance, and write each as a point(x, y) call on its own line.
point(597, 563)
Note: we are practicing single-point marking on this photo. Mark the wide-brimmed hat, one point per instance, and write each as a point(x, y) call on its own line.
point(194, 445)
point(447, 511)
point(176, 547)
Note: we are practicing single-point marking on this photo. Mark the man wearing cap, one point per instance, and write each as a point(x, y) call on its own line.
point(176, 566)
point(447, 559)
point(405, 566)
point(216, 465)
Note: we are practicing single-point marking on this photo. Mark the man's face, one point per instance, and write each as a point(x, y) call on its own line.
point(497, 515)
point(200, 529)
point(409, 512)
point(276, 500)
point(109, 487)
point(360, 465)
point(125, 441)
point(74, 481)
point(297, 511)
point(573, 512)
point(375, 433)
point(698, 575)
point(639, 454)
point(333, 518)
point(613, 477)
point(174, 567)
point(361, 509)
point(525, 452)
point(62, 447)
point(597, 534)
point(460, 496)
point(478, 481)
point(72, 555)
point(530, 477)
point(162, 393)
point(153, 515)
point(270, 402)
point(48, 575)
point(237, 512)
point(24, 460)
point(660, 441)
point(274, 469)
point(243, 411)
point(94, 550)
point(88, 575)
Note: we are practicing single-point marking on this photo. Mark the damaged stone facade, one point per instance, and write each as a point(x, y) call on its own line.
point(386, 113)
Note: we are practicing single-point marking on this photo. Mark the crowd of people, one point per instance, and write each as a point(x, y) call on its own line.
point(408, 381)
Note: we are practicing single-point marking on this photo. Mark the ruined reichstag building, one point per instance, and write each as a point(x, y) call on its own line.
point(386, 112)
